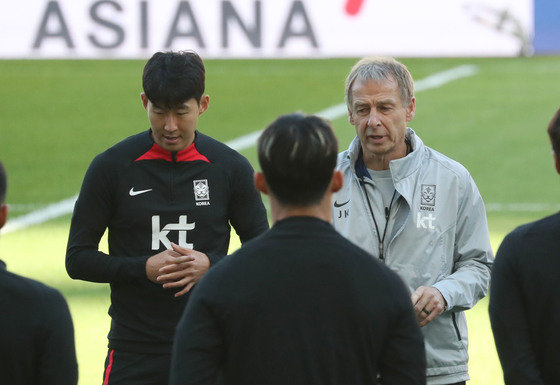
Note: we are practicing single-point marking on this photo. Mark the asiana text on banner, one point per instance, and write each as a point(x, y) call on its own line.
point(265, 29)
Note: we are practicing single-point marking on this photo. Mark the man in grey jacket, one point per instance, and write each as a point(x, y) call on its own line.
point(416, 210)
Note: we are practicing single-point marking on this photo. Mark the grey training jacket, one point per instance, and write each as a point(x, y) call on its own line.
point(439, 237)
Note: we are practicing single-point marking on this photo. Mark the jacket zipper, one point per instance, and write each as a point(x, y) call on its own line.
point(173, 166)
point(455, 326)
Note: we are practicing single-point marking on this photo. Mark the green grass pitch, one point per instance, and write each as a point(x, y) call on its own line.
point(57, 115)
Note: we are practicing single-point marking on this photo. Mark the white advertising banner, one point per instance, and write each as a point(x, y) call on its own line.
point(265, 28)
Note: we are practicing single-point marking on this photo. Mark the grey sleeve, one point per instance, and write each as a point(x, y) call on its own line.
point(472, 256)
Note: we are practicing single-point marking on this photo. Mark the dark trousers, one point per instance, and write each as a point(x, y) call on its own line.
point(459, 383)
point(124, 368)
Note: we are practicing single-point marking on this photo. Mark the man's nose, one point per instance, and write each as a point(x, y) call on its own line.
point(170, 122)
point(373, 119)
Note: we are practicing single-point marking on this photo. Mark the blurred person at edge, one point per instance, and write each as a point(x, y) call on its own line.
point(36, 331)
point(416, 210)
point(167, 197)
point(524, 304)
point(300, 304)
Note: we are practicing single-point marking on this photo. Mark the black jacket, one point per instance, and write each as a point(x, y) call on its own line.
point(525, 305)
point(299, 305)
point(148, 197)
point(36, 334)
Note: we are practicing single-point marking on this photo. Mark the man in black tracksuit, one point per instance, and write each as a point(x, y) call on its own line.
point(524, 303)
point(167, 196)
point(36, 331)
point(300, 304)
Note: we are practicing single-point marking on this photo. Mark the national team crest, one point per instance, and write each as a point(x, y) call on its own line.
point(428, 197)
point(201, 190)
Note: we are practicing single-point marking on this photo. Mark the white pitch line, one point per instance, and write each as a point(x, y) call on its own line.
point(245, 141)
point(441, 78)
point(66, 206)
point(36, 217)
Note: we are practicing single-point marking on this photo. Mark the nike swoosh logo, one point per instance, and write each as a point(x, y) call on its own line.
point(336, 204)
point(134, 193)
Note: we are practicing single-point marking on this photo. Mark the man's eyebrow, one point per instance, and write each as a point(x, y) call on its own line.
point(387, 101)
point(359, 103)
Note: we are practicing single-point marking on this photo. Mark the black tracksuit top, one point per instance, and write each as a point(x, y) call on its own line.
point(148, 197)
point(524, 303)
point(36, 333)
point(299, 305)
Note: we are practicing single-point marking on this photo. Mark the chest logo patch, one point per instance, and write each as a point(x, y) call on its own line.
point(427, 203)
point(428, 197)
point(201, 192)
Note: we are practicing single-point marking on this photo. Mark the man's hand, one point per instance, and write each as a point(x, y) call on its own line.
point(186, 270)
point(156, 262)
point(428, 304)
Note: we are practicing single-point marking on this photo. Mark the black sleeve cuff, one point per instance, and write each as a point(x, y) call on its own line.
point(134, 269)
point(214, 258)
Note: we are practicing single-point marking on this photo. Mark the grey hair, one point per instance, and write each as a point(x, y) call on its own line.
point(381, 68)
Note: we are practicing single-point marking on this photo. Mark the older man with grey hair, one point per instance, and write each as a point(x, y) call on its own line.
point(416, 210)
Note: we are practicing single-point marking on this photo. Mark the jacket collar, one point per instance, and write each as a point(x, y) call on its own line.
point(189, 154)
point(402, 169)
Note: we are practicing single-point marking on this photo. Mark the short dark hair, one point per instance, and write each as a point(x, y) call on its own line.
point(3, 183)
point(554, 132)
point(297, 154)
point(171, 78)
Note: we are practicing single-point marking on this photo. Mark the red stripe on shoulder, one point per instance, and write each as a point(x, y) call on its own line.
point(156, 152)
point(190, 154)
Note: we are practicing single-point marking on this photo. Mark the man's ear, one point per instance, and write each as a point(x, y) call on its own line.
point(3, 214)
point(260, 182)
point(557, 162)
point(337, 181)
point(144, 100)
point(204, 103)
point(411, 109)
